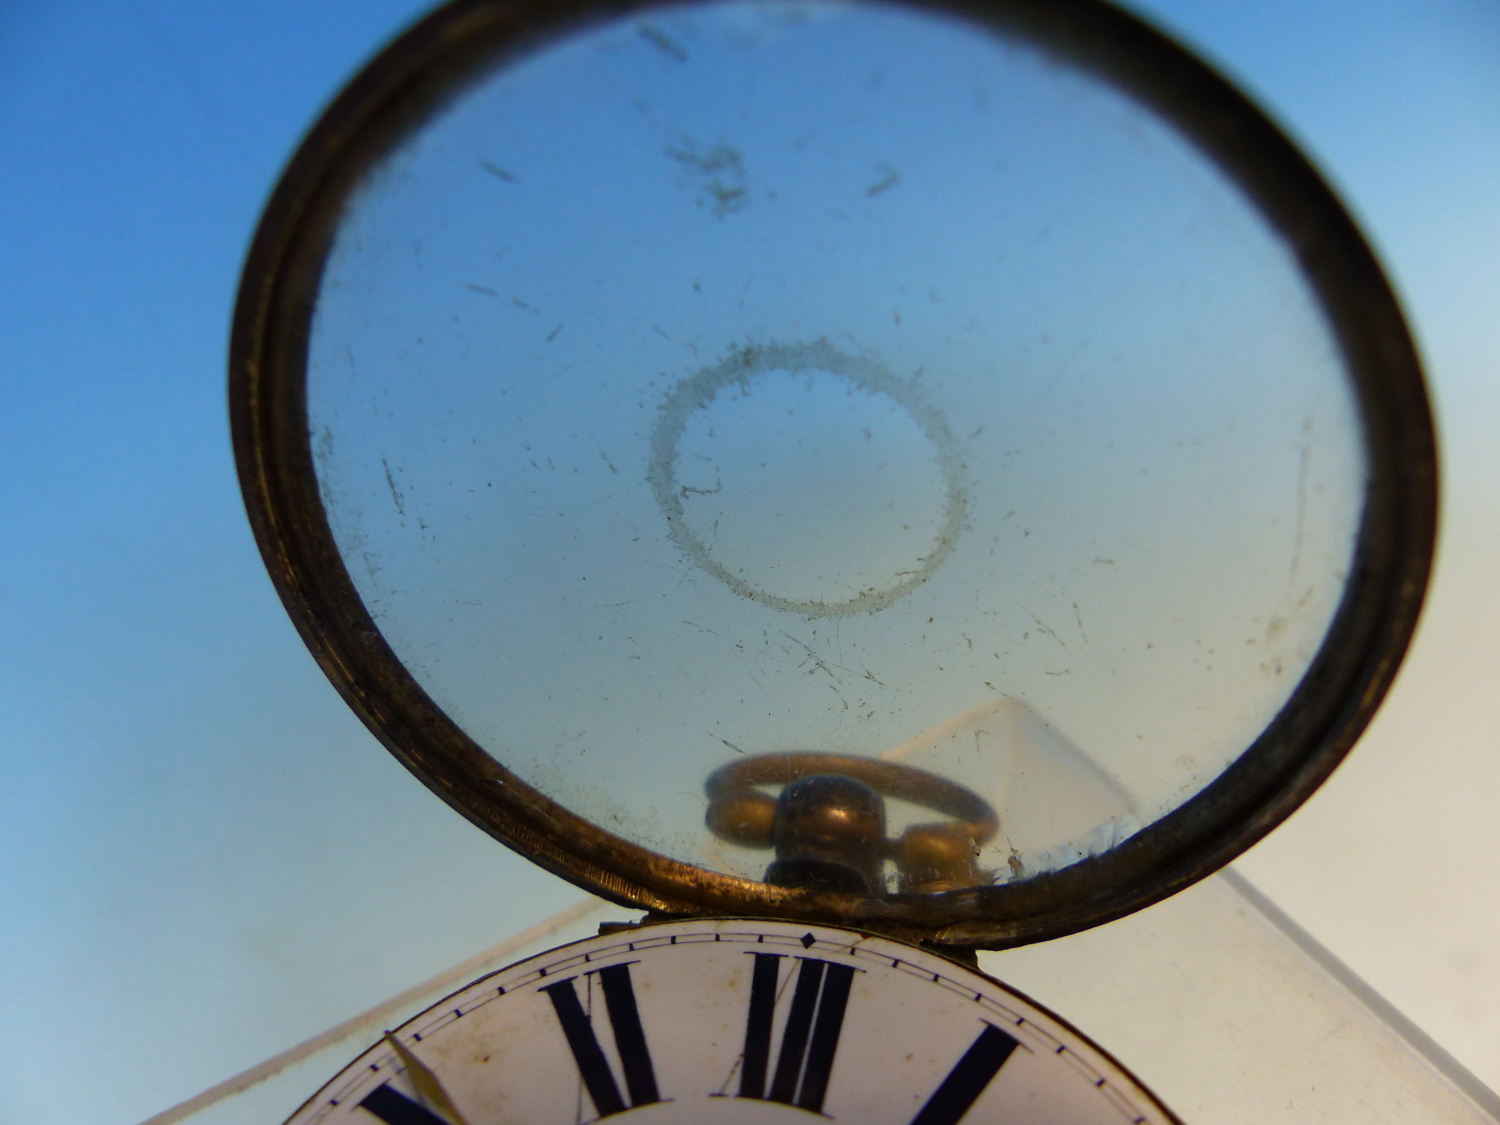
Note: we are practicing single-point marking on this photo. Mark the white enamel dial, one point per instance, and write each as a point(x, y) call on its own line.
point(732, 1020)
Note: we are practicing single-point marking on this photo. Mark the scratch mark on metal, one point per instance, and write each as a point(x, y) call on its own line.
point(664, 42)
point(1302, 495)
point(396, 493)
point(1042, 625)
point(812, 657)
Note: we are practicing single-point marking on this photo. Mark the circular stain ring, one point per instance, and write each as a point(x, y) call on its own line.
point(742, 369)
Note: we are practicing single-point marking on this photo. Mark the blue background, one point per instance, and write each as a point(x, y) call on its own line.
point(204, 858)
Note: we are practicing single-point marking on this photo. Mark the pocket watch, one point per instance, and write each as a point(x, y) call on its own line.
point(860, 482)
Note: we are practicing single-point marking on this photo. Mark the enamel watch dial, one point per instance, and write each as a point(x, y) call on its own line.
point(734, 1021)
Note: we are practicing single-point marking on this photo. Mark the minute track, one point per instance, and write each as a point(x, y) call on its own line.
point(688, 1023)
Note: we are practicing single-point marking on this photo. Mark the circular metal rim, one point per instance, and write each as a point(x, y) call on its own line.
point(1309, 737)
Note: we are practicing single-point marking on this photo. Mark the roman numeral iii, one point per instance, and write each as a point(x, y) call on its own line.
point(630, 1042)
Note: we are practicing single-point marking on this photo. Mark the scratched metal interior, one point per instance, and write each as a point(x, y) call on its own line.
point(746, 378)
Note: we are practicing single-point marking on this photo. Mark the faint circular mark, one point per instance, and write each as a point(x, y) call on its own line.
point(742, 368)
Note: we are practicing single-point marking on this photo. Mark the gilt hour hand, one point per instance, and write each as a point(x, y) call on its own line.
point(429, 1089)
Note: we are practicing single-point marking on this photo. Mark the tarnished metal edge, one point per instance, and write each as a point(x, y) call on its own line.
point(1301, 747)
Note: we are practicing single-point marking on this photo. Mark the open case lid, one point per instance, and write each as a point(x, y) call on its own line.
point(670, 425)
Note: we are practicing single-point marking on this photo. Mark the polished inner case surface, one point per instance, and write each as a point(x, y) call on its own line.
point(986, 393)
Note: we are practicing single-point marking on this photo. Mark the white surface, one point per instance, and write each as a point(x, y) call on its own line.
point(1231, 1022)
point(272, 1090)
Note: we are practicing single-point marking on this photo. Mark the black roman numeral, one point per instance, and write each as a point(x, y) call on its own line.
point(395, 1108)
point(968, 1078)
point(809, 1040)
point(630, 1042)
